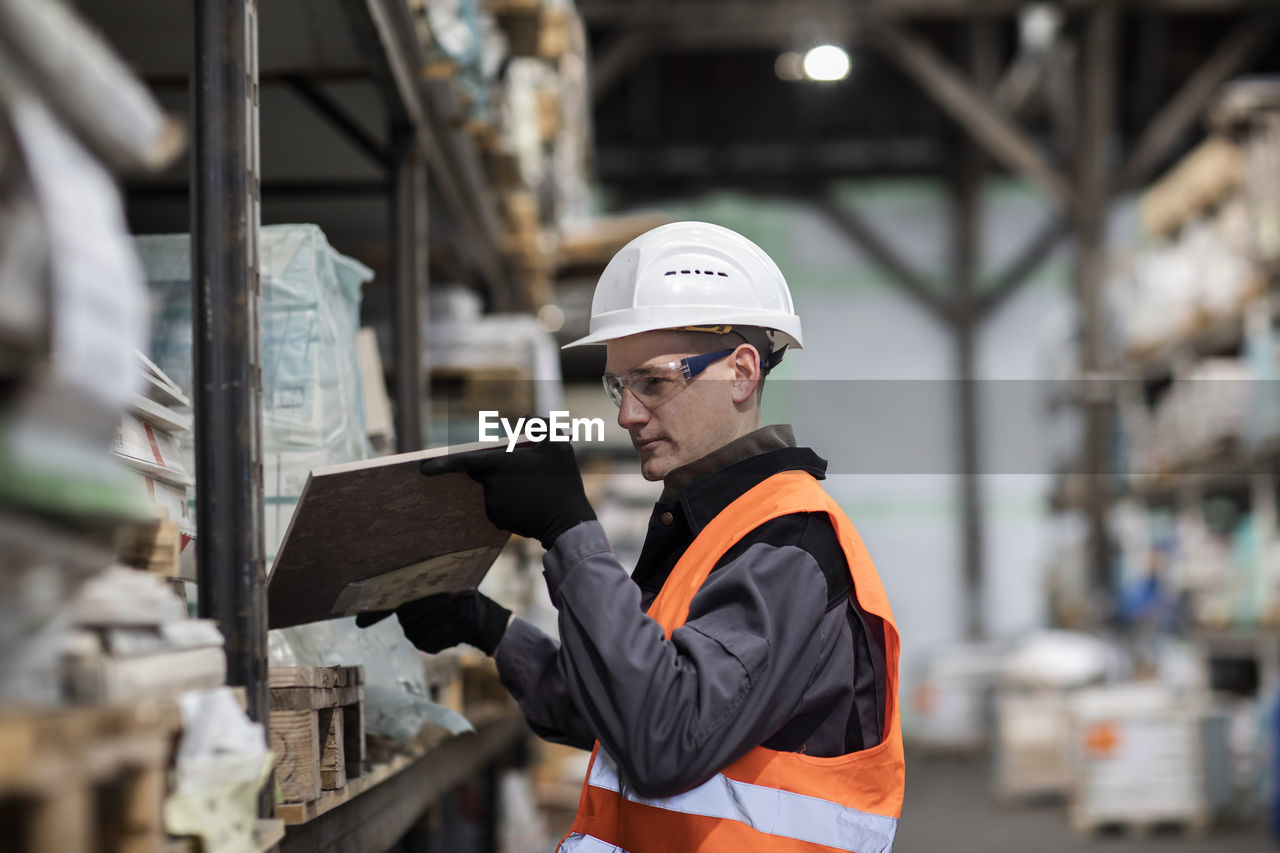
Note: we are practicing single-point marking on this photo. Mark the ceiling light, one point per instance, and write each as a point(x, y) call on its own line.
point(827, 63)
point(789, 66)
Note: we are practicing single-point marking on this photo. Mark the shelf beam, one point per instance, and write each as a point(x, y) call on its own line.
point(374, 820)
point(339, 119)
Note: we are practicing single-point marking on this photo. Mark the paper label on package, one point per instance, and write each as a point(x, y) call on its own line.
point(456, 572)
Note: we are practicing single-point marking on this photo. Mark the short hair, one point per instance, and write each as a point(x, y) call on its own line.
point(704, 342)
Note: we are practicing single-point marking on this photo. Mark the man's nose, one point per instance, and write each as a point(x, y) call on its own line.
point(630, 412)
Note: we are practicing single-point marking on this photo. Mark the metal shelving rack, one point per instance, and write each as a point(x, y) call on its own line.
point(370, 39)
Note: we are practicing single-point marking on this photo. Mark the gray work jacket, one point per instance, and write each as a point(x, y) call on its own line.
point(774, 651)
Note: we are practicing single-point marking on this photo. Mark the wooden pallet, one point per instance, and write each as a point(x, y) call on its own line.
point(1146, 826)
point(75, 781)
point(317, 732)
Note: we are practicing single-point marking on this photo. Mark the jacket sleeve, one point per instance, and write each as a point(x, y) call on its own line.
point(528, 665)
point(673, 712)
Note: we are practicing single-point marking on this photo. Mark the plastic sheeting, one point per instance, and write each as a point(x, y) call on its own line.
point(312, 401)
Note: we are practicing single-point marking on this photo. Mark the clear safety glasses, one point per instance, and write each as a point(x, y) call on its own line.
point(655, 384)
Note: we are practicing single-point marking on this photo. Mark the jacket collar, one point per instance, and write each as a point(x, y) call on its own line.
point(705, 486)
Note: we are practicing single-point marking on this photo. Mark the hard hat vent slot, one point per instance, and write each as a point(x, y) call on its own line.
point(696, 272)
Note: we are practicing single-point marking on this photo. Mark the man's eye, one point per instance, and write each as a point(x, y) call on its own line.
point(652, 385)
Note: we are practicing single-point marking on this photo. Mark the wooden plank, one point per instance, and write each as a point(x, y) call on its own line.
point(299, 813)
point(314, 698)
point(1163, 132)
point(315, 676)
point(376, 533)
point(63, 822)
point(333, 761)
point(295, 739)
point(303, 676)
point(972, 109)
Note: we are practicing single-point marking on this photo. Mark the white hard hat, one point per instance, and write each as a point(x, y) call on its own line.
point(691, 274)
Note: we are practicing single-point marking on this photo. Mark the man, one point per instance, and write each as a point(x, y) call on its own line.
point(740, 686)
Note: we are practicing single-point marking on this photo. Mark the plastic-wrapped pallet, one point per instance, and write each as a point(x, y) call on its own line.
point(312, 401)
point(1147, 755)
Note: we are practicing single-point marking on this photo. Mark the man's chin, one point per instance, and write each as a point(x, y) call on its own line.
point(655, 468)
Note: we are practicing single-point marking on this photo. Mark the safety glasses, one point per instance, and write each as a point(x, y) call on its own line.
point(655, 384)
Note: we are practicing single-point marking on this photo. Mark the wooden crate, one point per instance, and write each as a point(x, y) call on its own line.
point(317, 729)
point(75, 781)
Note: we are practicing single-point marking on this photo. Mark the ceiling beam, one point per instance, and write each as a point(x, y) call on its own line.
point(624, 53)
point(611, 12)
point(748, 162)
point(972, 110)
point(341, 120)
point(1182, 110)
point(859, 231)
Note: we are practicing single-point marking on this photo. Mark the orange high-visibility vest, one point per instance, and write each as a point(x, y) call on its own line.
point(766, 800)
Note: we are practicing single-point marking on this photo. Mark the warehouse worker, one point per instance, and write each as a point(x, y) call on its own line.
point(740, 686)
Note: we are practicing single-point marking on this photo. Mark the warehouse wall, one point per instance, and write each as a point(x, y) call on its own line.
point(872, 393)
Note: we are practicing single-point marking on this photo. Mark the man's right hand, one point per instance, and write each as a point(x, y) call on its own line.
point(535, 492)
point(439, 622)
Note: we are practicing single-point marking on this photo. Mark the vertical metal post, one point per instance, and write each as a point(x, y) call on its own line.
point(228, 387)
point(1093, 181)
point(965, 235)
point(967, 251)
point(408, 283)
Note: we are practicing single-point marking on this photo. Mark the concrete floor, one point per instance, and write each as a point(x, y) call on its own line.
point(949, 807)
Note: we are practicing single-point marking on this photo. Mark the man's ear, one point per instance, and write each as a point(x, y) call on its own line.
point(747, 374)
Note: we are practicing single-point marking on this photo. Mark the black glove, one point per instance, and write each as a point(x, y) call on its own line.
point(535, 491)
point(439, 622)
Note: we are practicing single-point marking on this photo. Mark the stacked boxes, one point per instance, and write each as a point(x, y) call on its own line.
point(1146, 756)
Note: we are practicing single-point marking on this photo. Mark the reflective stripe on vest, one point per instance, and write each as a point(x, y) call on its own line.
point(579, 843)
point(766, 800)
point(766, 810)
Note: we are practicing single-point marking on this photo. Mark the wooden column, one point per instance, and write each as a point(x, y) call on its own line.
point(1092, 182)
point(967, 258)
